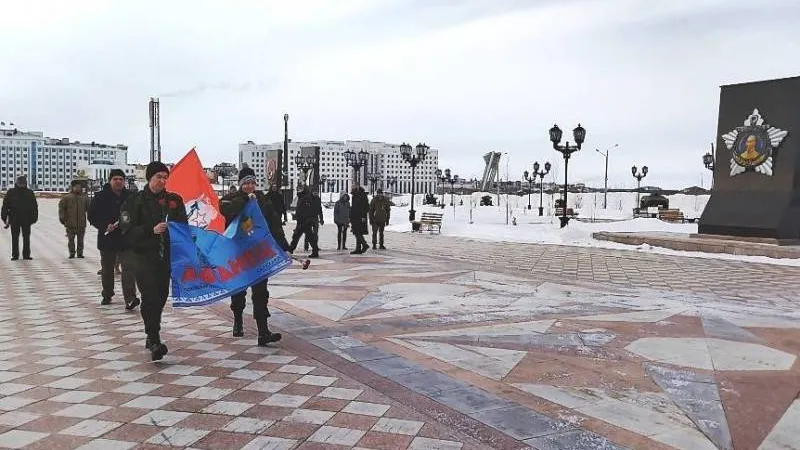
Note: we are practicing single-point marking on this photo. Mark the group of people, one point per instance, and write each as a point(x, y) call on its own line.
point(132, 231)
point(356, 216)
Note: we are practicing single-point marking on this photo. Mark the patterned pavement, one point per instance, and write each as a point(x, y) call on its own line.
point(416, 349)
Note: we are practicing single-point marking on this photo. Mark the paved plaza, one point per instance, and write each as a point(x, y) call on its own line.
point(437, 343)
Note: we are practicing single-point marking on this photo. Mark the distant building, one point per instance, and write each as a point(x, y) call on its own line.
point(387, 163)
point(51, 164)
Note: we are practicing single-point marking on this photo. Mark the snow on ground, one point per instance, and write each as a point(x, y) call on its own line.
point(488, 223)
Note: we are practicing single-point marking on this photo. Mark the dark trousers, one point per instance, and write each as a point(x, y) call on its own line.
point(72, 235)
point(341, 236)
point(259, 295)
point(108, 263)
point(25, 230)
point(306, 229)
point(361, 242)
point(152, 276)
point(377, 231)
point(316, 233)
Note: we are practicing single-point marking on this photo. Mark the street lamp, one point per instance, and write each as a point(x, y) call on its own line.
point(413, 159)
point(638, 175)
point(708, 161)
point(605, 183)
point(304, 163)
point(356, 161)
point(322, 182)
point(540, 174)
point(579, 133)
point(448, 178)
point(530, 179)
point(437, 175)
point(373, 178)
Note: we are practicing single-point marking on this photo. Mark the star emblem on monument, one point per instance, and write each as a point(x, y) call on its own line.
point(754, 145)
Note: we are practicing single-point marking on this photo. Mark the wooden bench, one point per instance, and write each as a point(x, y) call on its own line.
point(671, 215)
point(431, 221)
point(570, 212)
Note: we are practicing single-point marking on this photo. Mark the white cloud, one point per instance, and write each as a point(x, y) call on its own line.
point(464, 76)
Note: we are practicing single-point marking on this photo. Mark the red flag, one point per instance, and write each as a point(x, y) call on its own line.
point(189, 180)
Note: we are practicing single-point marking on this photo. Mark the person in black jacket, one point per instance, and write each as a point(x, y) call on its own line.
point(20, 210)
point(306, 220)
point(104, 215)
point(231, 205)
point(275, 196)
point(143, 221)
point(359, 210)
point(317, 204)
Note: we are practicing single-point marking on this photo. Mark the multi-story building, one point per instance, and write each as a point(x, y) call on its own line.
point(51, 164)
point(385, 162)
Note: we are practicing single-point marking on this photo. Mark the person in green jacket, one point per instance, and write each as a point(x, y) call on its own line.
point(72, 211)
point(380, 210)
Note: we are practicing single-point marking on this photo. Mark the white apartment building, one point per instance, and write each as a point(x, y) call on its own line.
point(51, 164)
point(387, 163)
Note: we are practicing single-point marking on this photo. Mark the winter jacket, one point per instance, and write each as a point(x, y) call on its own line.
point(305, 212)
point(141, 212)
point(103, 211)
point(20, 207)
point(341, 211)
point(276, 199)
point(72, 210)
point(380, 210)
point(359, 211)
point(231, 205)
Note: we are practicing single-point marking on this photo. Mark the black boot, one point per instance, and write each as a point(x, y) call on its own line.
point(357, 251)
point(344, 240)
point(264, 335)
point(338, 241)
point(238, 324)
point(314, 254)
point(157, 349)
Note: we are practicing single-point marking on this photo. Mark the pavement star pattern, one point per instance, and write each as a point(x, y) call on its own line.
point(392, 350)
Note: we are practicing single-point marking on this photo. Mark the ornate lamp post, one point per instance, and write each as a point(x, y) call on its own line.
point(437, 176)
point(413, 159)
point(304, 163)
point(540, 174)
point(356, 161)
point(373, 178)
point(579, 133)
point(530, 179)
point(322, 182)
point(283, 179)
point(449, 178)
point(708, 161)
point(638, 175)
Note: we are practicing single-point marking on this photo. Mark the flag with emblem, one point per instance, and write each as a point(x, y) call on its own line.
point(208, 266)
point(188, 179)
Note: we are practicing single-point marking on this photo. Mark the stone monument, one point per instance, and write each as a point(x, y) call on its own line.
point(756, 194)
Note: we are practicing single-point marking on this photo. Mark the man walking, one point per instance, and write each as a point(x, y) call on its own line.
point(306, 220)
point(72, 210)
point(143, 221)
point(104, 212)
point(19, 211)
point(359, 211)
point(274, 195)
point(231, 206)
point(379, 212)
point(316, 203)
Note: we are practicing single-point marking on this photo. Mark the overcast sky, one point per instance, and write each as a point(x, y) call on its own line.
point(464, 76)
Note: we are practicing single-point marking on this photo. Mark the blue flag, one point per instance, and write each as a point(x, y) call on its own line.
point(208, 266)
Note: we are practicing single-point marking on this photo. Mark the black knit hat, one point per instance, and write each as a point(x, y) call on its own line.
point(154, 168)
point(247, 175)
point(116, 173)
point(74, 183)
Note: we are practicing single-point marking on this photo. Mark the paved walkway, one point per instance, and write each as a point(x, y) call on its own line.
point(423, 348)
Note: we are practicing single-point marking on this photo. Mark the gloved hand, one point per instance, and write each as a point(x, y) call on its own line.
point(251, 195)
point(321, 222)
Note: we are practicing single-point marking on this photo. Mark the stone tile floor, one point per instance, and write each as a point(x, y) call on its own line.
point(402, 350)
